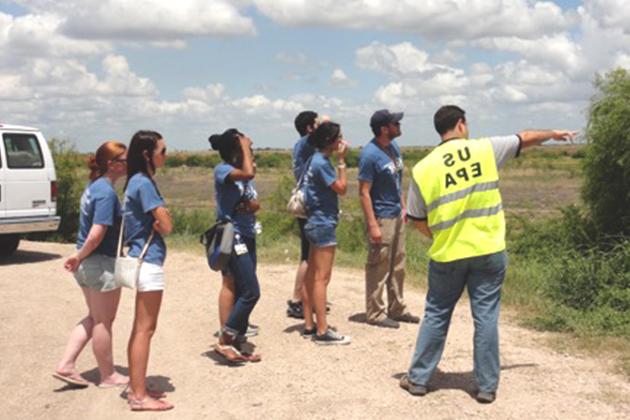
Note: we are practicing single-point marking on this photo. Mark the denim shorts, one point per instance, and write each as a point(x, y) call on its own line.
point(96, 272)
point(321, 236)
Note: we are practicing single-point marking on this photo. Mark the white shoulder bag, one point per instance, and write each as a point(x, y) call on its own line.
point(127, 269)
point(296, 205)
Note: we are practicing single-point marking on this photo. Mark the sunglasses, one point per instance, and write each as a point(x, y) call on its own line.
point(163, 151)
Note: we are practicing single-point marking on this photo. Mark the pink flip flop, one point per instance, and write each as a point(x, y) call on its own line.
point(150, 404)
point(72, 378)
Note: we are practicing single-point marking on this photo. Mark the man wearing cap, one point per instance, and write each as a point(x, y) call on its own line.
point(454, 199)
point(380, 192)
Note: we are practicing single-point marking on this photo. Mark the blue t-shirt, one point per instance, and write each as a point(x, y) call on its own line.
point(230, 193)
point(141, 198)
point(302, 152)
point(385, 175)
point(100, 206)
point(321, 201)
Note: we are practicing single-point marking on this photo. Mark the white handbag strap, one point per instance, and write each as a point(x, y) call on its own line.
point(120, 240)
point(146, 246)
point(120, 237)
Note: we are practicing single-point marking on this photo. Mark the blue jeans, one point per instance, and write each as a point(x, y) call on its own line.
point(243, 269)
point(483, 277)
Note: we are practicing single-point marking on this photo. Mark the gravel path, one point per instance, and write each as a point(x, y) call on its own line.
point(39, 303)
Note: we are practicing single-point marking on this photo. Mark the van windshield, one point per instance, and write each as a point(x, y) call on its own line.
point(22, 151)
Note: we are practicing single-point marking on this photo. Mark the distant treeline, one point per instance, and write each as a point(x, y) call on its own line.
point(282, 158)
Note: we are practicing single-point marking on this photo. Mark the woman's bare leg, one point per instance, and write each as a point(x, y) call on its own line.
point(79, 336)
point(103, 307)
point(307, 295)
point(322, 260)
point(227, 296)
point(144, 325)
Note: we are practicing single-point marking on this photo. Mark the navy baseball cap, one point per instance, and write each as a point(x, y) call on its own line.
point(383, 117)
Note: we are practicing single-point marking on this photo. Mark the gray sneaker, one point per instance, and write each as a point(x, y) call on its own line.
point(385, 323)
point(331, 338)
point(306, 333)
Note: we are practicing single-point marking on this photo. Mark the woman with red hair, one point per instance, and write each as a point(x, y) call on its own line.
point(93, 268)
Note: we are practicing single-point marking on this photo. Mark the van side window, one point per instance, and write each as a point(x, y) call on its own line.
point(23, 151)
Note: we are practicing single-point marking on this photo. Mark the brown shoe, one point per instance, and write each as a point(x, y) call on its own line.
point(385, 323)
point(408, 317)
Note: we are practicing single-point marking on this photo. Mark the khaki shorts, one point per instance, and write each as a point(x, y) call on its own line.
point(96, 272)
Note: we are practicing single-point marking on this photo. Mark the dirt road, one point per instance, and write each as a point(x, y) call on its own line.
point(39, 303)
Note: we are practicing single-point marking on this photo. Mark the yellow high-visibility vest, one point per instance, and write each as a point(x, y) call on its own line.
point(459, 183)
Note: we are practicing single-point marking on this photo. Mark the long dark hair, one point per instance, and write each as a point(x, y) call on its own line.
point(227, 144)
point(325, 135)
point(137, 162)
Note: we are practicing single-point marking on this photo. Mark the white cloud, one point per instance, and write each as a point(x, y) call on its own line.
point(557, 50)
point(623, 60)
point(340, 78)
point(399, 60)
point(437, 19)
point(38, 36)
point(147, 20)
point(613, 14)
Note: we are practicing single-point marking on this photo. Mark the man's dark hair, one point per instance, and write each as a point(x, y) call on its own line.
point(303, 120)
point(446, 118)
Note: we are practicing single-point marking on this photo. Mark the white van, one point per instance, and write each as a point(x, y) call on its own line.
point(28, 186)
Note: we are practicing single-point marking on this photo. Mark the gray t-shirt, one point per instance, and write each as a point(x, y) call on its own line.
point(505, 148)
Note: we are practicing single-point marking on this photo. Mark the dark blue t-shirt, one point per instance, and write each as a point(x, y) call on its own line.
point(228, 194)
point(100, 206)
point(384, 173)
point(302, 152)
point(141, 198)
point(321, 201)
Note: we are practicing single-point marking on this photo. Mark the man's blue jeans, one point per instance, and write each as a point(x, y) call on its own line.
point(483, 277)
point(243, 269)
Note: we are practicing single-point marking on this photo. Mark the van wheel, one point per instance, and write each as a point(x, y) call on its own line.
point(8, 245)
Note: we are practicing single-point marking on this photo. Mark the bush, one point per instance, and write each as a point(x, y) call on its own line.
point(274, 160)
point(68, 165)
point(606, 188)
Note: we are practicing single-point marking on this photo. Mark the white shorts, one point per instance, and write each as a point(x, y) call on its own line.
point(151, 277)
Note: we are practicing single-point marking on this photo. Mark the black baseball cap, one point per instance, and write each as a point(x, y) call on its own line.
point(383, 117)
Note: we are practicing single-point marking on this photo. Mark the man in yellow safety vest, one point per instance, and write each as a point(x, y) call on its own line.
point(454, 199)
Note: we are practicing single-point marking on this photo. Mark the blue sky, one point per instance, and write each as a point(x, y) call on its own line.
point(93, 70)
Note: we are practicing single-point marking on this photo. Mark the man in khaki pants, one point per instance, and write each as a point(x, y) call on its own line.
point(380, 177)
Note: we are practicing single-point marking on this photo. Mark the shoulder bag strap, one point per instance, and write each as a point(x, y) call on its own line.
point(307, 165)
point(120, 236)
point(146, 245)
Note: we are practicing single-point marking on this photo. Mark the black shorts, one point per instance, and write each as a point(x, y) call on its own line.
point(305, 245)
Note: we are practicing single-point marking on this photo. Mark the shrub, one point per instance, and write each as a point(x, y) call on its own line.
point(68, 165)
point(606, 189)
point(274, 160)
point(175, 160)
